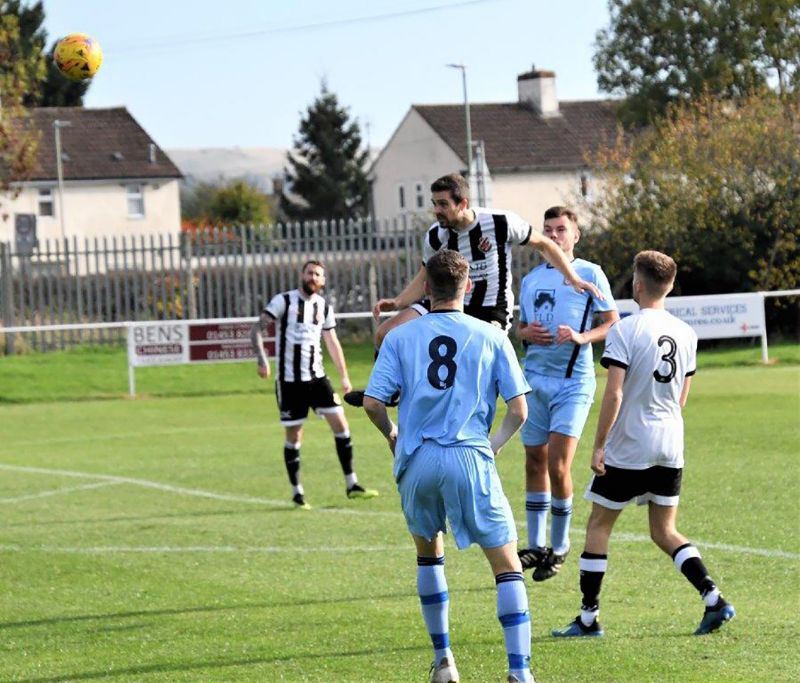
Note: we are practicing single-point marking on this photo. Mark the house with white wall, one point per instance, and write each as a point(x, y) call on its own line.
point(115, 179)
point(534, 150)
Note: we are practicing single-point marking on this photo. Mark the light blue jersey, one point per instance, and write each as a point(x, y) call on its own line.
point(449, 368)
point(547, 299)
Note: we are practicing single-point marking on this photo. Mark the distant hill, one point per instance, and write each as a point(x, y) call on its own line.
point(257, 165)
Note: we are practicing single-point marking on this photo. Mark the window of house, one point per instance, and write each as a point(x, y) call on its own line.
point(401, 197)
point(420, 196)
point(585, 186)
point(135, 201)
point(46, 205)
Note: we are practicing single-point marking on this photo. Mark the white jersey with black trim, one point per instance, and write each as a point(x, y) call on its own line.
point(486, 244)
point(658, 351)
point(300, 320)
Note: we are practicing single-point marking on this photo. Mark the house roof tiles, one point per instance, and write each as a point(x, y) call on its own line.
point(517, 138)
point(99, 144)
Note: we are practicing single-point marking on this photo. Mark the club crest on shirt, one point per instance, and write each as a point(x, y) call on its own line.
point(485, 245)
point(543, 304)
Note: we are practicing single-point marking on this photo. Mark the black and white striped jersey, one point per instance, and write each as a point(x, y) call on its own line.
point(299, 322)
point(486, 244)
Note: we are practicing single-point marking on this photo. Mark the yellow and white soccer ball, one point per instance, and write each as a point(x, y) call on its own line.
point(78, 56)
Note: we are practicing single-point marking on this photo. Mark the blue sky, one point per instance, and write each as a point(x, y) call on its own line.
point(197, 73)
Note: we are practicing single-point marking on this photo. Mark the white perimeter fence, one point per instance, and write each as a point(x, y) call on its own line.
point(227, 340)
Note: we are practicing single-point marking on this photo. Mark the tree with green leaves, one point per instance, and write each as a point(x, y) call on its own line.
point(239, 203)
point(326, 177)
point(21, 69)
point(196, 198)
point(714, 184)
point(235, 203)
point(656, 52)
point(51, 88)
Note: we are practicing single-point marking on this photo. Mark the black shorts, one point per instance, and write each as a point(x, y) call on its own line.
point(618, 487)
point(496, 315)
point(295, 398)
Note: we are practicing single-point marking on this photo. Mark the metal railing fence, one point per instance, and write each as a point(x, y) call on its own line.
point(220, 273)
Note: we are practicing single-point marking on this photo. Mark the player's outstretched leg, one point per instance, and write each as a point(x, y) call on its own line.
point(355, 398)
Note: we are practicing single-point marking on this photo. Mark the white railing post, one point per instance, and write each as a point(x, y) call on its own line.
point(131, 368)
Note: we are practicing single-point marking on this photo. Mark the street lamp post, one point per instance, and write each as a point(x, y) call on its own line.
point(57, 126)
point(466, 114)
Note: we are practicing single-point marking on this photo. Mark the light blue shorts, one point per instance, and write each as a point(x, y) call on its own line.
point(459, 484)
point(556, 404)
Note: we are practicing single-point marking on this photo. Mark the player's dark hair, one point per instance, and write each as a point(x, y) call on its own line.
point(455, 184)
point(312, 262)
point(558, 211)
point(656, 270)
point(446, 272)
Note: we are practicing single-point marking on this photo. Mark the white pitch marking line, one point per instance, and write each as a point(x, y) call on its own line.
point(56, 492)
point(252, 500)
point(764, 552)
point(636, 538)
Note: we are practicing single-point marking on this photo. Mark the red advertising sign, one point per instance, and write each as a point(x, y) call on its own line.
point(221, 332)
point(219, 352)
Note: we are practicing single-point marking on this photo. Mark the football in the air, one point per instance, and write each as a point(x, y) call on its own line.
point(78, 56)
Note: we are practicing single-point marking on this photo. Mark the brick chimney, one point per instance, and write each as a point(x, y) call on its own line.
point(537, 90)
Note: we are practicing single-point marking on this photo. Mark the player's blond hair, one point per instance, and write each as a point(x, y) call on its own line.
point(656, 271)
point(446, 273)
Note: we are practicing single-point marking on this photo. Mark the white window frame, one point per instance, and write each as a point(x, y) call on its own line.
point(46, 196)
point(135, 193)
point(401, 197)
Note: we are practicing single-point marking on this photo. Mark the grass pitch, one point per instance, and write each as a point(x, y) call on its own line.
point(153, 540)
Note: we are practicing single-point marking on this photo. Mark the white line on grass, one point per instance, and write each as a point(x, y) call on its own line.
point(179, 490)
point(763, 552)
point(116, 549)
point(635, 538)
point(56, 492)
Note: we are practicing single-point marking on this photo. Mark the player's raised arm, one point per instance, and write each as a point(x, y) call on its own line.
point(413, 291)
point(257, 342)
point(556, 258)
